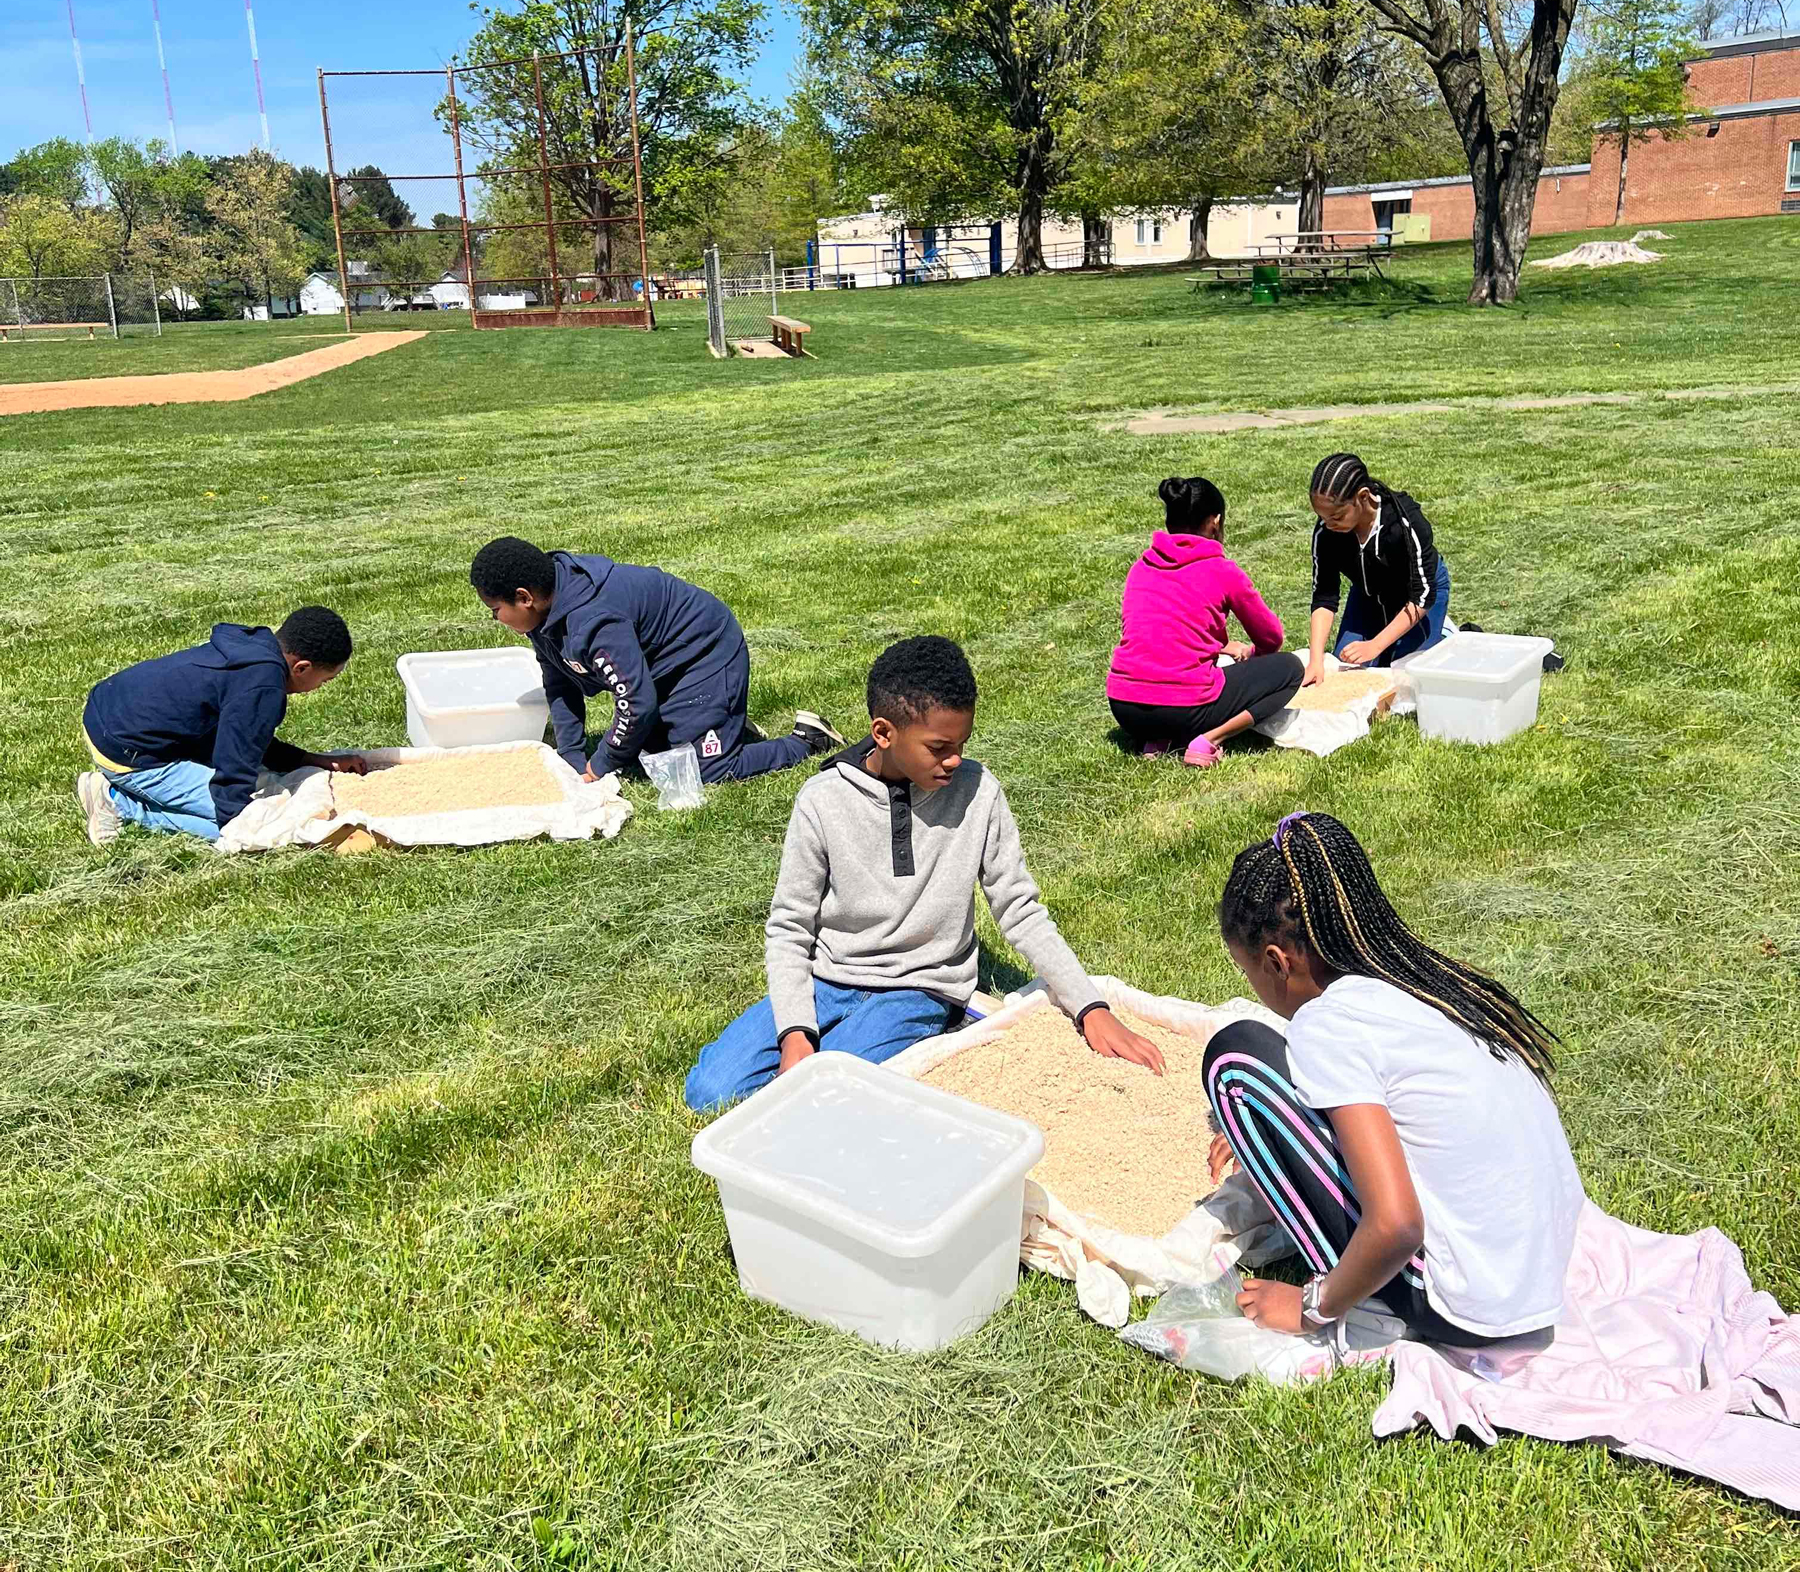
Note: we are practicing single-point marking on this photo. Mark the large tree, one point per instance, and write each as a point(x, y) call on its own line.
point(1166, 119)
point(953, 106)
point(1635, 77)
point(141, 181)
point(690, 108)
point(256, 244)
point(371, 196)
point(1335, 92)
point(1499, 76)
point(41, 237)
point(57, 169)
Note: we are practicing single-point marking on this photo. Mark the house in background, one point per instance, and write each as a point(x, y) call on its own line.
point(321, 295)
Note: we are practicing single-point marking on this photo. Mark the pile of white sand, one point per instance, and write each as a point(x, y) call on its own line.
point(1602, 253)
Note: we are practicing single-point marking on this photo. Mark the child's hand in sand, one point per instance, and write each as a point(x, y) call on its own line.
point(1219, 1159)
point(1109, 1037)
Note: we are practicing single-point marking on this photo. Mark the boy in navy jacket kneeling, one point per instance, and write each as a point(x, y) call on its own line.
point(672, 657)
point(178, 741)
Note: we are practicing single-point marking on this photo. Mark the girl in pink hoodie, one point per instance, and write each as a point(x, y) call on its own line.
point(1165, 684)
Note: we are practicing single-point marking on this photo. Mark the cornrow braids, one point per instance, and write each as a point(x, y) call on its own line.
point(1327, 894)
point(1339, 476)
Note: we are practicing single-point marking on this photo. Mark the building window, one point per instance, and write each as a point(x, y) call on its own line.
point(1149, 231)
point(1793, 166)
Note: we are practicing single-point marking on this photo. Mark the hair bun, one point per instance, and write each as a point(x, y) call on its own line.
point(1173, 490)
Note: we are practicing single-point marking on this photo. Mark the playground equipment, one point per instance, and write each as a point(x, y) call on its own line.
point(934, 254)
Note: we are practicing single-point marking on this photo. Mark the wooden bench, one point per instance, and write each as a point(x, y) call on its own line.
point(46, 327)
point(789, 334)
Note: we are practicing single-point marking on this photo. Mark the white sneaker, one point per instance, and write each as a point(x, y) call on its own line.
point(103, 820)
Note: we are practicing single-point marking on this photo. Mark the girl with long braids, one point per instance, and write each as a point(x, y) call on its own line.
point(1403, 1132)
point(1381, 542)
point(1165, 684)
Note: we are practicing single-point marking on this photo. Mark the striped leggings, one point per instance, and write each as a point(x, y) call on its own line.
point(1290, 1153)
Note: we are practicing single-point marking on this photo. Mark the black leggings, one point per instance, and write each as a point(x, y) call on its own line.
point(1262, 685)
point(1290, 1153)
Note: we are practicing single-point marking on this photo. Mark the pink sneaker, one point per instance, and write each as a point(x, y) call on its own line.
point(1201, 754)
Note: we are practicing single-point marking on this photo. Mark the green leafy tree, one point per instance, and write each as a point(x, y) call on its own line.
point(41, 237)
point(1335, 91)
point(371, 195)
point(953, 107)
point(57, 169)
point(140, 181)
point(256, 243)
point(309, 211)
point(1635, 77)
point(1166, 117)
point(690, 110)
point(1499, 72)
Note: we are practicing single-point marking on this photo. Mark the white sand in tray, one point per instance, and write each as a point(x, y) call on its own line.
point(1121, 1145)
point(511, 778)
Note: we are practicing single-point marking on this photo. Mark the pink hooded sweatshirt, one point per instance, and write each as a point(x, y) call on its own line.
point(1177, 597)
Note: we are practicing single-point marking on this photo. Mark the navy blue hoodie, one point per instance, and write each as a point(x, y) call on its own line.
point(635, 633)
point(218, 703)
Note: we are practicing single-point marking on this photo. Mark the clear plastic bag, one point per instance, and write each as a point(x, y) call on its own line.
point(676, 776)
point(1199, 1327)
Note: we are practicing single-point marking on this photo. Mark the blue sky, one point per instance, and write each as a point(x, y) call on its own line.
point(208, 50)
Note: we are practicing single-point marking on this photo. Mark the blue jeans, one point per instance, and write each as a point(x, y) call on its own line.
point(1363, 620)
point(174, 797)
point(873, 1024)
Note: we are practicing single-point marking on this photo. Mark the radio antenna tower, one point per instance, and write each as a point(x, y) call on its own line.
point(80, 75)
point(256, 66)
point(163, 64)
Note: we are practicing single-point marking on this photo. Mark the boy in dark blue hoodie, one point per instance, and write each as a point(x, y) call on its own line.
point(671, 656)
point(178, 741)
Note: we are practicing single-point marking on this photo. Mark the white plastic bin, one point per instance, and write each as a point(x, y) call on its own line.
point(860, 1198)
point(1478, 687)
point(463, 698)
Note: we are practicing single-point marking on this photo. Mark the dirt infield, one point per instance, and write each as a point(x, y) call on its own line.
point(193, 387)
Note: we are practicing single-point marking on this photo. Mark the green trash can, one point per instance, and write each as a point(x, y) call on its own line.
point(1265, 294)
point(1265, 284)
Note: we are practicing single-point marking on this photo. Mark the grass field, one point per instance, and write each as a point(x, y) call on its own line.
point(345, 1211)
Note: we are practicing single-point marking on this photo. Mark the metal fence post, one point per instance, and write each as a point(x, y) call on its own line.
point(715, 304)
point(774, 283)
point(112, 310)
point(155, 304)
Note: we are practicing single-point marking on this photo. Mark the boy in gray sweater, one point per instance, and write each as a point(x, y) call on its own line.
point(871, 936)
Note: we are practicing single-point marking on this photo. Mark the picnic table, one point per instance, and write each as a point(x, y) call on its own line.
point(1315, 260)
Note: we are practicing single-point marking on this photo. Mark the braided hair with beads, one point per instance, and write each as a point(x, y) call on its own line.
point(1311, 884)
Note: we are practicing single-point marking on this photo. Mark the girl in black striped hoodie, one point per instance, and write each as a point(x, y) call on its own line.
point(1381, 542)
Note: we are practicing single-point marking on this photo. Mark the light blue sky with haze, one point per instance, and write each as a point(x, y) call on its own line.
point(208, 49)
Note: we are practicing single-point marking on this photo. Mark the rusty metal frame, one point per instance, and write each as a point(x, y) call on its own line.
point(639, 313)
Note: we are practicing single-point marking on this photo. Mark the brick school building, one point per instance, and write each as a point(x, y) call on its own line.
point(1740, 158)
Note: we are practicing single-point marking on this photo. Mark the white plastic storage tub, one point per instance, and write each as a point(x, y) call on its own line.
point(1478, 687)
point(462, 698)
point(860, 1198)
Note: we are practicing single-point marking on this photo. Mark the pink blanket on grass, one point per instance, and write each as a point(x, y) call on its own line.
point(1664, 1351)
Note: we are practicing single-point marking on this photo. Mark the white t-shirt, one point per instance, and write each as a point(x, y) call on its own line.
point(1496, 1182)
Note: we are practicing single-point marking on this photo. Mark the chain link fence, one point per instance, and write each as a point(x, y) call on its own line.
point(109, 305)
point(740, 298)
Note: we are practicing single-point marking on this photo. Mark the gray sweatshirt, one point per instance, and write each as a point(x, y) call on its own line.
point(877, 890)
